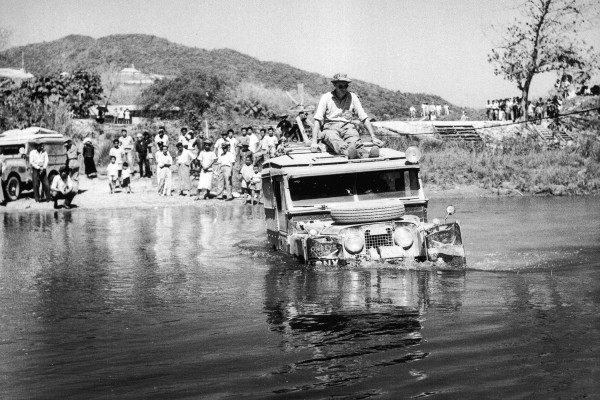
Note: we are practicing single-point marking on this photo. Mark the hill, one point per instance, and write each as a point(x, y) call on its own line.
point(157, 55)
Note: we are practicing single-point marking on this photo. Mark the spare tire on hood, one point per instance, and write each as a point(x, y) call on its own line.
point(367, 211)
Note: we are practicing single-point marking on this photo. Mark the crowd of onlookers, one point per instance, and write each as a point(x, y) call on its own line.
point(509, 109)
point(205, 167)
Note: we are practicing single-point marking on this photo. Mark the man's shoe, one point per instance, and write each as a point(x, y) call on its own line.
point(56, 206)
point(352, 153)
point(374, 152)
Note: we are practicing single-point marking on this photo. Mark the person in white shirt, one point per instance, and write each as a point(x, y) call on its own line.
point(117, 153)
point(423, 109)
point(126, 143)
point(438, 110)
point(218, 149)
point(112, 171)
point(271, 143)
point(412, 111)
point(233, 142)
point(334, 115)
point(254, 145)
point(62, 188)
point(207, 158)
point(183, 159)
point(446, 109)
point(38, 159)
point(164, 161)
point(226, 162)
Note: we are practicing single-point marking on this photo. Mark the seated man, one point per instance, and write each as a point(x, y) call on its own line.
point(334, 114)
point(62, 188)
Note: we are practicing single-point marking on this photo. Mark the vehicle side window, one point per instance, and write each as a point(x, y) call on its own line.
point(11, 150)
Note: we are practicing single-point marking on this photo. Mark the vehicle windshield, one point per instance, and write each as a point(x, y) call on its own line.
point(309, 190)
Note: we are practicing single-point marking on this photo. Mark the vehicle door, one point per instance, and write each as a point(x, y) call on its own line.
point(15, 163)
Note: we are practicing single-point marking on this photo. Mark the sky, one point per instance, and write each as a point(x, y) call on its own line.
point(425, 46)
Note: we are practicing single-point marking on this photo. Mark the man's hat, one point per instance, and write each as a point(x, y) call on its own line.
point(63, 169)
point(225, 144)
point(161, 128)
point(139, 135)
point(283, 116)
point(67, 140)
point(179, 144)
point(224, 133)
point(340, 77)
point(206, 141)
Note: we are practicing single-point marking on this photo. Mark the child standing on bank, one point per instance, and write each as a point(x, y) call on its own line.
point(256, 185)
point(113, 174)
point(126, 177)
point(247, 173)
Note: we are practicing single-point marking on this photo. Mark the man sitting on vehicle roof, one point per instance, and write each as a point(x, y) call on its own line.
point(334, 114)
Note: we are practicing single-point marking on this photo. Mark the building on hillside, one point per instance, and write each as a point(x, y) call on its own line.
point(132, 76)
point(9, 75)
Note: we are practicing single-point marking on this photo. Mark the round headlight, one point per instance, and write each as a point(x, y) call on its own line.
point(354, 244)
point(436, 221)
point(403, 238)
point(413, 154)
point(313, 232)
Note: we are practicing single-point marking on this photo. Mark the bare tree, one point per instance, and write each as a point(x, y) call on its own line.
point(545, 39)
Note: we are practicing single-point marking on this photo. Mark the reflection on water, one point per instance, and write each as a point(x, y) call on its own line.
point(191, 303)
point(355, 322)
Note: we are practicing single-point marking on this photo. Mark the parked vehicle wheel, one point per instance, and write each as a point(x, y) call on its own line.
point(13, 188)
point(367, 211)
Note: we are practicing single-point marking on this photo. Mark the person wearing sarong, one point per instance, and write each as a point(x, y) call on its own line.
point(88, 159)
point(163, 164)
point(207, 158)
point(184, 159)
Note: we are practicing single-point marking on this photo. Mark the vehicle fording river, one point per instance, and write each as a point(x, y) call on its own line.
point(328, 209)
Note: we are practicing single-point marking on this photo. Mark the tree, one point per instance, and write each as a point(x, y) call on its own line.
point(192, 91)
point(544, 40)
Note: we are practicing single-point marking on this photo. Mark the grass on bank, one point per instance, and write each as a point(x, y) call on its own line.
point(521, 163)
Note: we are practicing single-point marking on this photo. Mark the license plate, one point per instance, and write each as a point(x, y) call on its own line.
point(391, 252)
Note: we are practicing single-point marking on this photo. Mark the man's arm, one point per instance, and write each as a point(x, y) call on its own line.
point(365, 120)
point(316, 131)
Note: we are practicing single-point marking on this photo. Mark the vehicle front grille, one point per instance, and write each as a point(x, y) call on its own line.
point(375, 241)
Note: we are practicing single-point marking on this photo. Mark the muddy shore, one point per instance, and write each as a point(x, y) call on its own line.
point(94, 194)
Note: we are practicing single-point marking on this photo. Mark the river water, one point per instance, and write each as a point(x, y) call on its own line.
point(190, 303)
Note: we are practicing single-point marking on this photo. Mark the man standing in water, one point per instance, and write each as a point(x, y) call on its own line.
point(334, 114)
